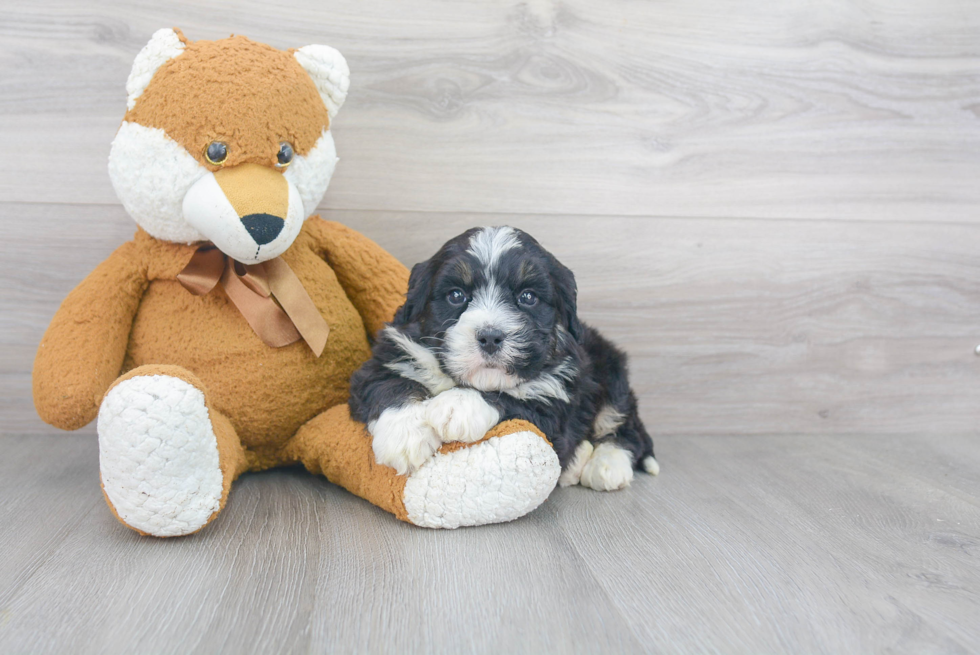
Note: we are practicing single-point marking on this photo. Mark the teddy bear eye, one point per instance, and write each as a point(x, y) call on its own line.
point(216, 153)
point(285, 155)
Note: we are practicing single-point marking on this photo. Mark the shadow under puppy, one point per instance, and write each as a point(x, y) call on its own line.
point(489, 332)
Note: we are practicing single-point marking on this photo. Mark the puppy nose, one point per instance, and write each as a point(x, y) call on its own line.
point(263, 228)
point(490, 340)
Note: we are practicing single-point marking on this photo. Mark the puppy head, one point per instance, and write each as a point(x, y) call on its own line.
point(493, 305)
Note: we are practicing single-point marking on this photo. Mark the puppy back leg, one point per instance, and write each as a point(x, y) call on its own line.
point(621, 441)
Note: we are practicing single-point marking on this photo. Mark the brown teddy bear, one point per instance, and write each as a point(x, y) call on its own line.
point(221, 338)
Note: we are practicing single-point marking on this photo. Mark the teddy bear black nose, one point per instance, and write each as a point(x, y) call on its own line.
point(263, 228)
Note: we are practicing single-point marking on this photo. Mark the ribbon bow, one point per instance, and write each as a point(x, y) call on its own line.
point(254, 289)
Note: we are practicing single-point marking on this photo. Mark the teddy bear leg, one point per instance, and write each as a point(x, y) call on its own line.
point(499, 478)
point(167, 459)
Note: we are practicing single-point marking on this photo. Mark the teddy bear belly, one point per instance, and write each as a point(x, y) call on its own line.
point(267, 393)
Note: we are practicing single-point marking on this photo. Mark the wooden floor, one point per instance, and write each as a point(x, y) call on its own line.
point(773, 206)
point(743, 544)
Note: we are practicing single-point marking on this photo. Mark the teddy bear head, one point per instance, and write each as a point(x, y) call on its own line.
point(227, 141)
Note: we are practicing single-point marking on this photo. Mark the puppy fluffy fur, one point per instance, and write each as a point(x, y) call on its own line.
point(489, 332)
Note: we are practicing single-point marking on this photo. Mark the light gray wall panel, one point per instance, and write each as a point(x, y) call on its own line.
point(857, 110)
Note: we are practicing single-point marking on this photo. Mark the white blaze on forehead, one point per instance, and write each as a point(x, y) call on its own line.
point(490, 243)
point(489, 308)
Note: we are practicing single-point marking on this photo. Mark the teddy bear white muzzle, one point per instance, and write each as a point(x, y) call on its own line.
point(250, 212)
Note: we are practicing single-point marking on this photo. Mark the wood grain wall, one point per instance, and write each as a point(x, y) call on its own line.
point(773, 206)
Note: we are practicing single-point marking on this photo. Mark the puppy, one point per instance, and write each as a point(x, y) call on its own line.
point(489, 332)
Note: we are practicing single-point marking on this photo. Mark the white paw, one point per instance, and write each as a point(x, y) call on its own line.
point(403, 438)
point(609, 468)
point(158, 455)
point(573, 472)
point(461, 415)
point(651, 466)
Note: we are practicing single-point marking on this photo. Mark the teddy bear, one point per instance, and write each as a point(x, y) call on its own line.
point(222, 338)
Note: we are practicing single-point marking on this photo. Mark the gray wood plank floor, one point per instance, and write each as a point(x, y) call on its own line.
point(772, 206)
point(743, 544)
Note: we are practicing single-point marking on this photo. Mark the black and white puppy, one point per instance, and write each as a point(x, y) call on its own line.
point(489, 332)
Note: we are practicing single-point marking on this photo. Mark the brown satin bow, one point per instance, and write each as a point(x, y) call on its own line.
point(252, 287)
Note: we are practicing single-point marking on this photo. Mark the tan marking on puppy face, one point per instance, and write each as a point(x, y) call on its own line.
point(463, 270)
point(249, 95)
point(526, 272)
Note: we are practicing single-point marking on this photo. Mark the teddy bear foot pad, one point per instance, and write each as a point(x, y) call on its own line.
point(159, 456)
point(499, 479)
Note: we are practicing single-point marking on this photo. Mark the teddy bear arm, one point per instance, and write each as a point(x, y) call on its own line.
point(375, 282)
point(82, 351)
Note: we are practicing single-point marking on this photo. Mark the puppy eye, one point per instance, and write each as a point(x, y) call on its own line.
point(527, 298)
point(456, 297)
point(285, 155)
point(216, 153)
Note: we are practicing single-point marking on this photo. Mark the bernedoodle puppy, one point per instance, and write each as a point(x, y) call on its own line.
point(489, 332)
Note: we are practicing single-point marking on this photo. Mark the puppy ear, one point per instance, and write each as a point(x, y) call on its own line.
point(566, 293)
point(419, 290)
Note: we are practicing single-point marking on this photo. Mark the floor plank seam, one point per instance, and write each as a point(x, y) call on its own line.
point(538, 214)
point(609, 594)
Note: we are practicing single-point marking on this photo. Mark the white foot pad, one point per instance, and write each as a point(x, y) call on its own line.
point(158, 455)
point(609, 468)
point(498, 480)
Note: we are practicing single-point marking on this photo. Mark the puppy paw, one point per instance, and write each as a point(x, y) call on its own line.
point(572, 474)
point(461, 415)
point(651, 466)
point(402, 438)
point(609, 468)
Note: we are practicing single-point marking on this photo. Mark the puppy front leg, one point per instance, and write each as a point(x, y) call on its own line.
point(461, 415)
point(402, 437)
point(393, 408)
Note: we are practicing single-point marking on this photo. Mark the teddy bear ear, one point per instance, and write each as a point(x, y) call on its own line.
point(329, 71)
point(164, 45)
